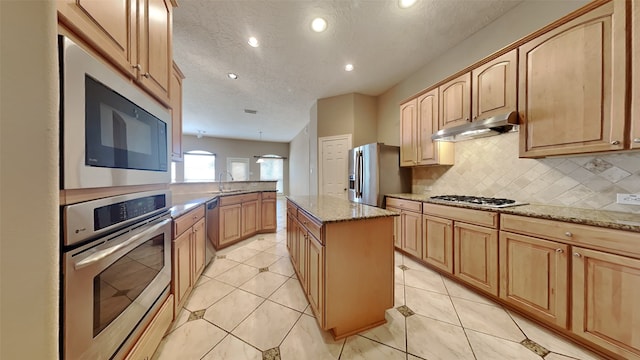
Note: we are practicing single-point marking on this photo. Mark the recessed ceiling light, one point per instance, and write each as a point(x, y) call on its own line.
point(232, 76)
point(319, 24)
point(348, 67)
point(406, 3)
point(253, 42)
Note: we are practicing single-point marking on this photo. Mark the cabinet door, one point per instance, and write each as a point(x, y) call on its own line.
point(269, 220)
point(175, 94)
point(408, 133)
point(316, 278)
point(181, 267)
point(290, 232)
point(154, 44)
point(572, 86)
point(199, 239)
point(397, 227)
point(229, 223)
point(412, 233)
point(109, 26)
point(428, 150)
point(437, 248)
point(606, 310)
point(533, 276)
point(494, 87)
point(635, 72)
point(249, 218)
point(455, 98)
point(301, 255)
point(475, 256)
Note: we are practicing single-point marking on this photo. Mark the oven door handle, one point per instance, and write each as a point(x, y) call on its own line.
point(132, 242)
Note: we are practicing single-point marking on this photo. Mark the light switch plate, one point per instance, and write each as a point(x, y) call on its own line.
point(628, 199)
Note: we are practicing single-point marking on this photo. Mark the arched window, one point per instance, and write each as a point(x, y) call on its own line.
point(199, 166)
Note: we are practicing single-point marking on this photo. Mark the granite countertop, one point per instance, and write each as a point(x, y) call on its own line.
point(602, 218)
point(183, 203)
point(332, 209)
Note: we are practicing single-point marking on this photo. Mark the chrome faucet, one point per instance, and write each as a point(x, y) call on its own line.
point(220, 178)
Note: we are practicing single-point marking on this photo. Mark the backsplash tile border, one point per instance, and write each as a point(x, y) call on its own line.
point(491, 167)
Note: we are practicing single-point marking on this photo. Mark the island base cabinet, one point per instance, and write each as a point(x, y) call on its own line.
point(475, 256)
point(230, 224)
point(606, 310)
point(315, 278)
point(533, 276)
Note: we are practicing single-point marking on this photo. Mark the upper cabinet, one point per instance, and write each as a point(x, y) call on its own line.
point(635, 71)
point(572, 86)
point(418, 121)
point(455, 98)
point(134, 35)
point(494, 87)
point(175, 94)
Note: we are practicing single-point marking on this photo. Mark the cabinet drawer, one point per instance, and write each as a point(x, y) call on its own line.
point(471, 216)
point(617, 241)
point(311, 224)
point(408, 205)
point(187, 220)
point(292, 208)
point(268, 195)
point(238, 199)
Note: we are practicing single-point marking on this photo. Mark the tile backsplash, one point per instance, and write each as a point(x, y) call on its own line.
point(491, 167)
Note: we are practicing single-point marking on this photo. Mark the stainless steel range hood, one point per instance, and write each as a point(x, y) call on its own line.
point(488, 127)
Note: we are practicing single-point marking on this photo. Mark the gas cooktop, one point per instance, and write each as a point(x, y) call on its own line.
point(477, 200)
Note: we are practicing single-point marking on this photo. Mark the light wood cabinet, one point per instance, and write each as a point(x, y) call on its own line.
point(148, 342)
point(635, 73)
point(418, 121)
point(175, 95)
point(572, 86)
point(134, 35)
point(534, 276)
point(437, 242)
point(408, 225)
point(268, 212)
point(475, 256)
point(409, 133)
point(605, 309)
point(249, 218)
point(348, 289)
point(188, 253)
point(455, 102)
point(109, 27)
point(315, 277)
point(230, 229)
point(494, 87)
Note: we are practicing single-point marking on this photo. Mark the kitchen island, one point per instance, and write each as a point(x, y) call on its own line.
point(343, 255)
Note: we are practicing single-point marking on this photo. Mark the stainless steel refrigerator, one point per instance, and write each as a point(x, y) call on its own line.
point(374, 170)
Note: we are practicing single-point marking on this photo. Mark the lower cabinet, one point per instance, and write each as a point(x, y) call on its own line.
point(606, 310)
point(242, 216)
point(534, 276)
point(408, 227)
point(188, 254)
point(268, 212)
point(229, 224)
point(249, 218)
point(300, 247)
point(437, 242)
point(315, 276)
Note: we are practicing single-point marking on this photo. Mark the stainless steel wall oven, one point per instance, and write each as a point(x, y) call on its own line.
point(116, 269)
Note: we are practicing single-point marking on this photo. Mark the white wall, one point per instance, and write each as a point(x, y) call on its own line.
point(303, 158)
point(29, 202)
point(519, 22)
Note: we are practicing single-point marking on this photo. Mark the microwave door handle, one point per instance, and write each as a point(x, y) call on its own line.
point(131, 243)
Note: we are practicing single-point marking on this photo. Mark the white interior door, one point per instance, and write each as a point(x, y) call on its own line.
point(238, 168)
point(333, 162)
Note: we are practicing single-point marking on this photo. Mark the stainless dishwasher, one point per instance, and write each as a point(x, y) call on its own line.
point(211, 216)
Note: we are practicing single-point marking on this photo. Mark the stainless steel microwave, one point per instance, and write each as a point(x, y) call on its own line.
point(113, 134)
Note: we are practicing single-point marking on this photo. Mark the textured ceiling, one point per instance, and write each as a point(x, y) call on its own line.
point(294, 66)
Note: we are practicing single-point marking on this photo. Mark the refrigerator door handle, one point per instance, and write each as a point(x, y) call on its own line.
point(361, 173)
point(357, 169)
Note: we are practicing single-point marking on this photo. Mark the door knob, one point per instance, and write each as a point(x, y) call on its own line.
point(559, 251)
point(615, 142)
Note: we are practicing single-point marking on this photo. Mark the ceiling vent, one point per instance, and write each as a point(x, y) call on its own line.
point(247, 111)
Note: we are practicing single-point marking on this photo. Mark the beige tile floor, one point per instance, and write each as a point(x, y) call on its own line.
point(248, 304)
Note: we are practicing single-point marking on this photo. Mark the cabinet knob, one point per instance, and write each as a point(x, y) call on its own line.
point(615, 142)
point(147, 75)
point(466, 119)
point(577, 254)
point(559, 251)
point(568, 234)
point(137, 67)
point(475, 118)
point(636, 140)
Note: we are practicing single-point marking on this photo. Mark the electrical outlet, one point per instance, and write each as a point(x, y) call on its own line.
point(628, 199)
